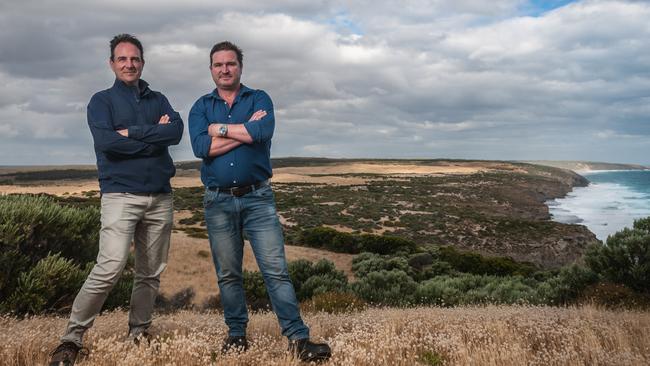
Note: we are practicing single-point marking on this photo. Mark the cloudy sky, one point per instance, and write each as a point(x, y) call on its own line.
point(504, 79)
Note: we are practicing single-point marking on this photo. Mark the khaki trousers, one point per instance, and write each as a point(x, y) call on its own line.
point(146, 221)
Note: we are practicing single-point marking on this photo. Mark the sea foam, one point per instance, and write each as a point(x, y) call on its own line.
point(612, 201)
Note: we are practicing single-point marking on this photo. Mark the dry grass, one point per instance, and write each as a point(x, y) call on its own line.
point(460, 336)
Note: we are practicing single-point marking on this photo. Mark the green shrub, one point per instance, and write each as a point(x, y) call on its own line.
point(336, 241)
point(475, 263)
point(313, 278)
point(51, 283)
point(330, 239)
point(467, 289)
point(566, 286)
point(37, 225)
point(420, 260)
point(625, 259)
point(393, 287)
point(255, 290)
point(334, 302)
point(12, 264)
point(320, 284)
point(431, 358)
point(369, 262)
point(448, 290)
point(381, 244)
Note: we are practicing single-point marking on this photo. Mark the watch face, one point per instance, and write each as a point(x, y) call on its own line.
point(223, 130)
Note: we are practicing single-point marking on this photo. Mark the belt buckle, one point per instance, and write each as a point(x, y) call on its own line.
point(239, 191)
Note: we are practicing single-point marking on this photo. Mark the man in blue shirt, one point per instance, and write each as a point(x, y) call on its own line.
point(231, 130)
point(132, 127)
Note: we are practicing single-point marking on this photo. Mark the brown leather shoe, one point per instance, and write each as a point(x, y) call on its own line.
point(66, 354)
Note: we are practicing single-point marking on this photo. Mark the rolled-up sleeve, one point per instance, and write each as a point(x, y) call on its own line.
point(198, 126)
point(262, 130)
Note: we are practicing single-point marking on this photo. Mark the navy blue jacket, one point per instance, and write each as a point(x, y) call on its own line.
point(247, 163)
point(140, 162)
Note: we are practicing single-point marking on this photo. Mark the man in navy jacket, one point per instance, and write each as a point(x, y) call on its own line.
point(132, 127)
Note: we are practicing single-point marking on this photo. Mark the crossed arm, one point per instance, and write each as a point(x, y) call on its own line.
point(143, 141)
point(163, 121)
point(237, 135)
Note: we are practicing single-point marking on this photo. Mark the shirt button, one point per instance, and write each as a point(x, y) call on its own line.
point(234, 181)
point(229, 116)
point(232, 164)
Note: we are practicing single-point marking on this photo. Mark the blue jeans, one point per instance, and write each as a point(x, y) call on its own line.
point(227, 218)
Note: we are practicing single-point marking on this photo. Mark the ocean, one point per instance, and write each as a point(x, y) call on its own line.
point(612, 201)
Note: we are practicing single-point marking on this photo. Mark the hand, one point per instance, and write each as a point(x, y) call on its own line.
point(164, 120)
point(124, 132)
point(257, 115)
point(213, 129)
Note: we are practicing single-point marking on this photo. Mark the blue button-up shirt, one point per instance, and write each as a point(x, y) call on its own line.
point(140, 162)
point(247, 163)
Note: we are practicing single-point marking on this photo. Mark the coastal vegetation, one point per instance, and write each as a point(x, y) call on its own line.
point(445, 269)
point(41, 270)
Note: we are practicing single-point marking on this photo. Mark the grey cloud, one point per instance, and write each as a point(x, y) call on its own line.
point(419, 79)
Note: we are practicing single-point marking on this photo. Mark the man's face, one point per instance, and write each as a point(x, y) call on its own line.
point(127, 63)
point(226, 70)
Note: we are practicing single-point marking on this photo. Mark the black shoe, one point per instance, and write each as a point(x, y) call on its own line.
point(66, 354)
point(141, 338)
point(309, 351)
point(236, 344)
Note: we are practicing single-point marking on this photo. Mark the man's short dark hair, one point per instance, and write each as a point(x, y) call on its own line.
point(125, 37)
point(228, 46)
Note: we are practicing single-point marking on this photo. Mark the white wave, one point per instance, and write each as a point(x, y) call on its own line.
point(604, 208)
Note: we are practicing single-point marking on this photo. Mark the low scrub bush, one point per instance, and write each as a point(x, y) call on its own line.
point(369, 262)
point(475, 263)
point(466, 289)
point(393, 287)
point(336, 241)
point(49, 285)
point(330, 239)
point(625, 259)
point(255, 290)
point(382, 244)
point(314, 278)
point(567, 285)
point(36, 226)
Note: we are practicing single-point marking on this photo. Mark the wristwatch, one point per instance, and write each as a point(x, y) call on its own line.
point(223, 131)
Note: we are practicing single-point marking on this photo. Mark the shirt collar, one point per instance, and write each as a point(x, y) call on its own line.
point(242, 90)
point(143, 87)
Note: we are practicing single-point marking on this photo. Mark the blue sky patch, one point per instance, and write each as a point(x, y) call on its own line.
point(539, 7)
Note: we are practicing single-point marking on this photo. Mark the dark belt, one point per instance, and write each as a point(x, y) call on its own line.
point(147, 194)
point(240, 191)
